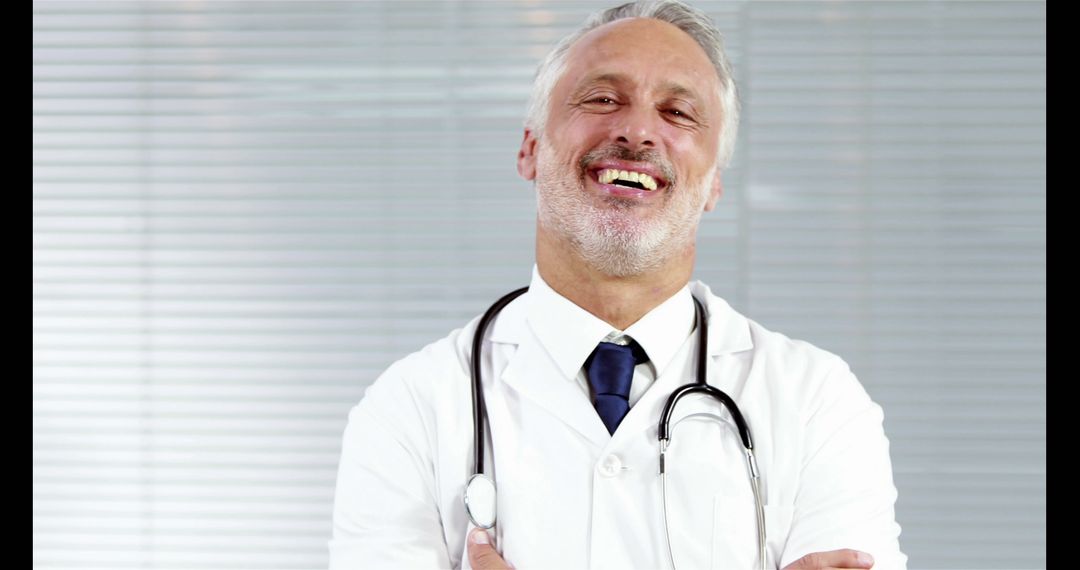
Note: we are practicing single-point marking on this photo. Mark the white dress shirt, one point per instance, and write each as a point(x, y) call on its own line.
point(570, 334)
point(571, 495)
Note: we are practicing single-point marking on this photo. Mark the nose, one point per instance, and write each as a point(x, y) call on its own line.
point(636, 129)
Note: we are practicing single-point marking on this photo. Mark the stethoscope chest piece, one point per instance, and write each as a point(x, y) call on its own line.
point(480, 500)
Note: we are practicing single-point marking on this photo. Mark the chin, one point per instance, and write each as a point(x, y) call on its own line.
point(623, 248)
point(609, 235)
point(617, 263)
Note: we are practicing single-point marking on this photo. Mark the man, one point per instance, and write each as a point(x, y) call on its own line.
point(632, 119)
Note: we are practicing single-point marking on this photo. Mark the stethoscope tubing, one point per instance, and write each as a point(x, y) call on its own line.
point(479, 409)
point(700, 386)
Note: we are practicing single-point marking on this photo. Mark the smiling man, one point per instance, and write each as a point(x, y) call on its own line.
point(632, 119)
point(625, 166)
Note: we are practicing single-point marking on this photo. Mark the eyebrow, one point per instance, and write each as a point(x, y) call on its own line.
point(669, 87)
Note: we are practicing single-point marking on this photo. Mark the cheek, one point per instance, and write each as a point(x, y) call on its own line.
point(555, 162)
point(553, 166)
point(585, 132)
point(697, 159)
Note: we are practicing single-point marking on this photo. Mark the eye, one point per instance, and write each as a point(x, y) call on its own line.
point(600, 104)
point(680, 114)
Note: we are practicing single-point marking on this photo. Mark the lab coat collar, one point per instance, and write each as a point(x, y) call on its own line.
point(568, 332)
point(729, 331)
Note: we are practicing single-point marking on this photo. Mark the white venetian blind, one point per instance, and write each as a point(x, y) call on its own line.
point(893, 211)
point(244, 211)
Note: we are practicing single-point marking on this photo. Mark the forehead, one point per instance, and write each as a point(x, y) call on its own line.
point(642, 50)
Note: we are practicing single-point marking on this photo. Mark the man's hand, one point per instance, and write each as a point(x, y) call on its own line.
point(843, 558)
point(481, 555)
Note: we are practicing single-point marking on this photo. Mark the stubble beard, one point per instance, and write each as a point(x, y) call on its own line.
point(607, 233)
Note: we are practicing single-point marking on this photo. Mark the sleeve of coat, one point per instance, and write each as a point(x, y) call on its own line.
point(385, 511)
point(846, 494)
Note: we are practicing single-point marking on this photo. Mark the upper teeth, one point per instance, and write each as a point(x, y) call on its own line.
point(608, 175)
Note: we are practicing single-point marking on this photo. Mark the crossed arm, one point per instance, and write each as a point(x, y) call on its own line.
point(837, 431)
point(483, 557)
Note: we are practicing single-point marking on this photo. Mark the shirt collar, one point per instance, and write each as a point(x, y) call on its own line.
point(570, 333)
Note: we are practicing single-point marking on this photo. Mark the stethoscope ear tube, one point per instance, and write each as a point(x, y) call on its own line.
point(665, 418)
point(479, 411)
point(702, 386)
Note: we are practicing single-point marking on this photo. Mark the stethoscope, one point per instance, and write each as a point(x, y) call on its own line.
point(480, 489)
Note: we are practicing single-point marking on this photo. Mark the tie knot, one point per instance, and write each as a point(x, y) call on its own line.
point(628, 341)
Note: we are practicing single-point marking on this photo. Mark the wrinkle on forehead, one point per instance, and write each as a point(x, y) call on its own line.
point(650, 45)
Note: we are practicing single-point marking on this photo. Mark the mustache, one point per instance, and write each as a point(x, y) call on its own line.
point(622, 153)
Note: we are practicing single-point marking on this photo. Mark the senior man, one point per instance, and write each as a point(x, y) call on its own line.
point(632, 119)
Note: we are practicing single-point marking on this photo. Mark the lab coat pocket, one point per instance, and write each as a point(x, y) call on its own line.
point(735, 534)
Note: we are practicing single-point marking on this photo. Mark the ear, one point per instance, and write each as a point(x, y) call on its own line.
point(714, 194)
point(526, 159)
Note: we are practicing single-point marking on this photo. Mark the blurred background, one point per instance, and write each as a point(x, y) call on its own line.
point(245, 211)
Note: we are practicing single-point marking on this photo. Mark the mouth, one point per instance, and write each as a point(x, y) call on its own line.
point(627, 180)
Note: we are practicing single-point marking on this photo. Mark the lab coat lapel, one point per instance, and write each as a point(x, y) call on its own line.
point(533, 374)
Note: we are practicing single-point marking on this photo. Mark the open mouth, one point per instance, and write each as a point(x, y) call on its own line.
point(627, 179)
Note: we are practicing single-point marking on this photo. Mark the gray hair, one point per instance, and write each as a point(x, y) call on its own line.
point(688, 19)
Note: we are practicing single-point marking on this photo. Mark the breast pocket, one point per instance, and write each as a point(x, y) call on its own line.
point(735, 533)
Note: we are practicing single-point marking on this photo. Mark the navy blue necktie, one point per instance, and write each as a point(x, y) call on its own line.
point(610, 369)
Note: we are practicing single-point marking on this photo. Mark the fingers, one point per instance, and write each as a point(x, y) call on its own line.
point(481, 555)
point(843, 558)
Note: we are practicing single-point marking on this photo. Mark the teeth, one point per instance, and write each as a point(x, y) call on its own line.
point(609, 175)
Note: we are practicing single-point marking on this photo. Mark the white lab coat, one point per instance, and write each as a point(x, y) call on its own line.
point(572, 496)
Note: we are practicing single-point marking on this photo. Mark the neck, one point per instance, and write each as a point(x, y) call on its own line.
point(618, 301)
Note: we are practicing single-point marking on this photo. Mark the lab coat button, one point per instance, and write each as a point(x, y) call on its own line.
point(610, 466)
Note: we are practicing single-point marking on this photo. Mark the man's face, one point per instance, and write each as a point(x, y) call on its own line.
point(638, 95)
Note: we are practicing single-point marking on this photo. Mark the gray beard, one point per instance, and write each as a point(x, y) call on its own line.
point(601, 236)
